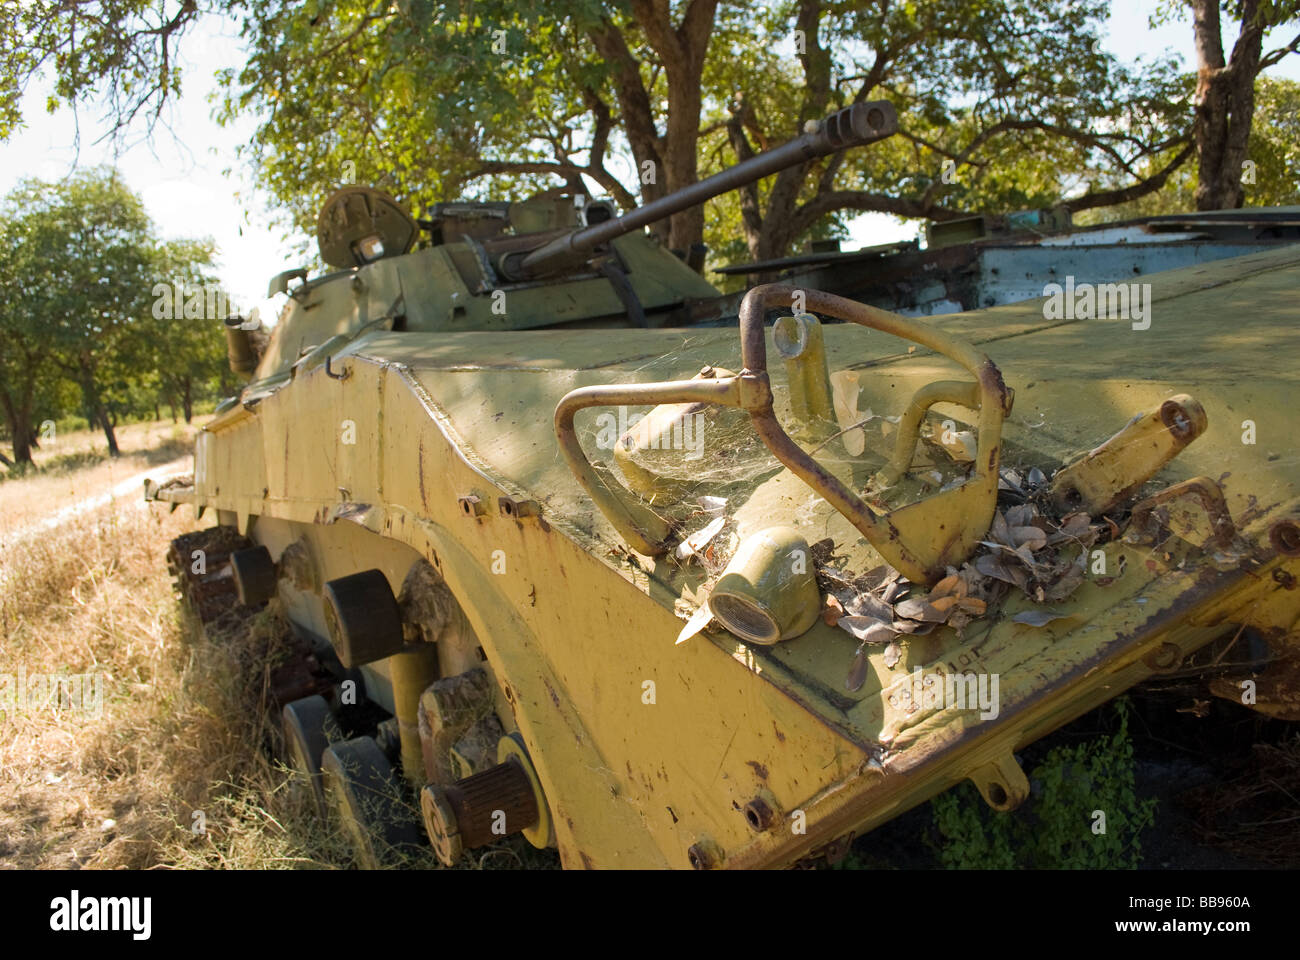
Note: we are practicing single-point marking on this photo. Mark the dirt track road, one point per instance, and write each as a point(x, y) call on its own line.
point(90, 491)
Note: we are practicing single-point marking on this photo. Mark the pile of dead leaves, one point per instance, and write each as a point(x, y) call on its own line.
point(1045, 558)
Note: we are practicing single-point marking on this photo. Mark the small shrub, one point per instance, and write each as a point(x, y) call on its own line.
point(1058, 827)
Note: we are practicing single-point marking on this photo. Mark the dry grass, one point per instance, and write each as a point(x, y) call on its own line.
point(182, 727)
point(83, 447)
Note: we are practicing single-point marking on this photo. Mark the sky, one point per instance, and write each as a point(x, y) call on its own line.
point(181, 174)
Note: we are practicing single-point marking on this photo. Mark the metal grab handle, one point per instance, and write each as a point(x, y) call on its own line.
point(909, 425)
point(641, 527)
point(920, 544)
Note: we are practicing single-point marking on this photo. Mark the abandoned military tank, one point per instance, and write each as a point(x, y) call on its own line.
point(662, 593)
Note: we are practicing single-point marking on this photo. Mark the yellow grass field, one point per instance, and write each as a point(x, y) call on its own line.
point(179, 740)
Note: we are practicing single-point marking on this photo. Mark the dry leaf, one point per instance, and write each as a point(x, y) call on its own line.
point(869, 605)
point(876, 577)
point(700, 538)
point(1039, 618)
point(1027, 556)
point(949, 584)
point(857, 671)
point(943, 604)
point(844, 398)
point(917, 609)
point(916, 628)
point(1030, 537)
point(822, 551)
point(699, 620)
point(999, 530)
point(959, 444)
point(1020, 516)
point(893, 590)
point(893, 653)
point(832, 611)
point(1075, 524)
point(1066, 585)
point(867, 629)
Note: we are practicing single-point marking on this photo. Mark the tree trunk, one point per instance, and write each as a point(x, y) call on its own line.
point(1225, 103)
point(187, 399)
point(681, 49)
point(109, 434)
point(19, 420)
point(98, 413)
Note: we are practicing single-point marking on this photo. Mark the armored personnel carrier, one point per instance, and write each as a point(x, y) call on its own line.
point(570, 553)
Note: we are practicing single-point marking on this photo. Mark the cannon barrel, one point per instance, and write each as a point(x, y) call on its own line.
point(854, 126)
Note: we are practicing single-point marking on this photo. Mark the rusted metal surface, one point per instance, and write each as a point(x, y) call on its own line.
point(650, 754)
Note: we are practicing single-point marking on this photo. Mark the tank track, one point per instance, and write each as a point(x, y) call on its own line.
point(211, 596)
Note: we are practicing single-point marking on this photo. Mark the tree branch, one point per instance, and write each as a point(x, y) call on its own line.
point(1104, 198)
point(861, 200)
point(1273, 56)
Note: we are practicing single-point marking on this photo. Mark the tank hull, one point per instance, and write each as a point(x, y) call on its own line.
point(412, 447)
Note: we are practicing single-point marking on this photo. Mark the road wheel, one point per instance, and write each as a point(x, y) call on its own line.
point(364, 621)
point(366, 797)
point(255, 577)
point(309, 728)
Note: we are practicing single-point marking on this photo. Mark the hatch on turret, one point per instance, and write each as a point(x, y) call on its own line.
point(359, 225)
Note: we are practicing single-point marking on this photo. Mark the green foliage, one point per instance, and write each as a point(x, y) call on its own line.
point(1274, 150)
point(123, 50)
point(435, 99)
point(439, 99)
point(1054, 829)
point(79, 264)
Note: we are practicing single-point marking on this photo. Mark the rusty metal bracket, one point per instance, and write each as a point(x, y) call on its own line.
point(920, 539)
point(1002, 783)
point(1207, 493)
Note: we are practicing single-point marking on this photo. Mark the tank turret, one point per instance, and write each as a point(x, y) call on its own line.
point(549, 261)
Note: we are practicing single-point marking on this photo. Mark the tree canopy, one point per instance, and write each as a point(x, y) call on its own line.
point(1003, 103)
point(80, 262)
